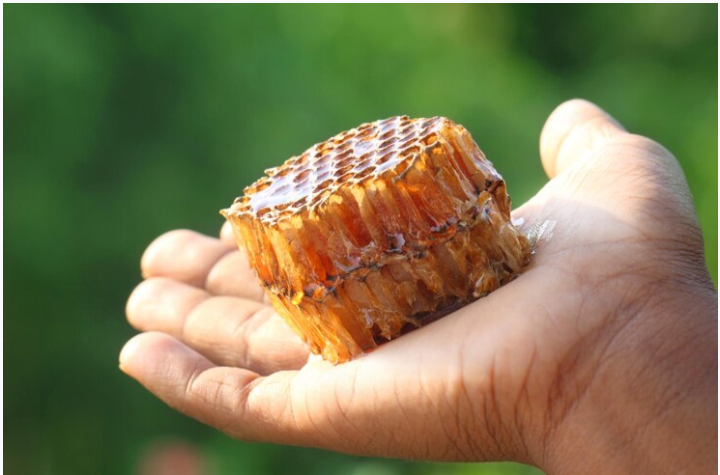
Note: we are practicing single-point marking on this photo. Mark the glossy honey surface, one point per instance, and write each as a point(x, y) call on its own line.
point(380, 227)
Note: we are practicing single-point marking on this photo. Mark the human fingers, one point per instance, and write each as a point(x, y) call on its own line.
point(232, 276)
point(186, 380)
point(202, 261)
point(635, 180)
point(441, 392)
point(227, 235)
point(331, 407)
point(612, 166)
point(237, 401)
point(574, 129)
point(183, 255)
point(228, 330)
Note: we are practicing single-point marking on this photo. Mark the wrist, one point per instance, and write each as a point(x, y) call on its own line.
point(650, 402)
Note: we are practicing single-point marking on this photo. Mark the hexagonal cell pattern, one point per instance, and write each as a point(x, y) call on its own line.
point(380, 228)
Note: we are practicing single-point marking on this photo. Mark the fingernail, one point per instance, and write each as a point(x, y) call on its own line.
point(126, 353)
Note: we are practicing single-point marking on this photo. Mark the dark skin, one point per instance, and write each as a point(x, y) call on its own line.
point(600, 358)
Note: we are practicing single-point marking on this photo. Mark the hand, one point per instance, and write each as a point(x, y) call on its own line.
point(600, 357)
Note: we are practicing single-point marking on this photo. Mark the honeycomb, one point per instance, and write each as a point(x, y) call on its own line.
point(377, 230)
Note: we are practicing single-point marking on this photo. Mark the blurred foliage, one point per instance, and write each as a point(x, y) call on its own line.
point(122, 122)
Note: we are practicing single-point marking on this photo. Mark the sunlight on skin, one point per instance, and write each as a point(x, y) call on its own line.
point(546, 370)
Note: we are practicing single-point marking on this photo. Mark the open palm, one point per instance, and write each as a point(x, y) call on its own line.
point(521, 374)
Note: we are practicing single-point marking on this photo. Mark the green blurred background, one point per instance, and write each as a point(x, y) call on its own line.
point(122, 122)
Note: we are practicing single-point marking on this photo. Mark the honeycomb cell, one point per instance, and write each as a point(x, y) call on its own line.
point(379, 229)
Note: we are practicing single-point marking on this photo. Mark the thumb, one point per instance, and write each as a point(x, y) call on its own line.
point(625, 168)
point(634, 179)
point(576, 128)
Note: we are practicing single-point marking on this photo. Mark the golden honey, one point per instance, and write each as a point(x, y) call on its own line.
point(380, 228)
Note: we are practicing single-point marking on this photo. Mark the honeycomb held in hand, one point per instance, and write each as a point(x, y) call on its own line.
point(386, 226)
